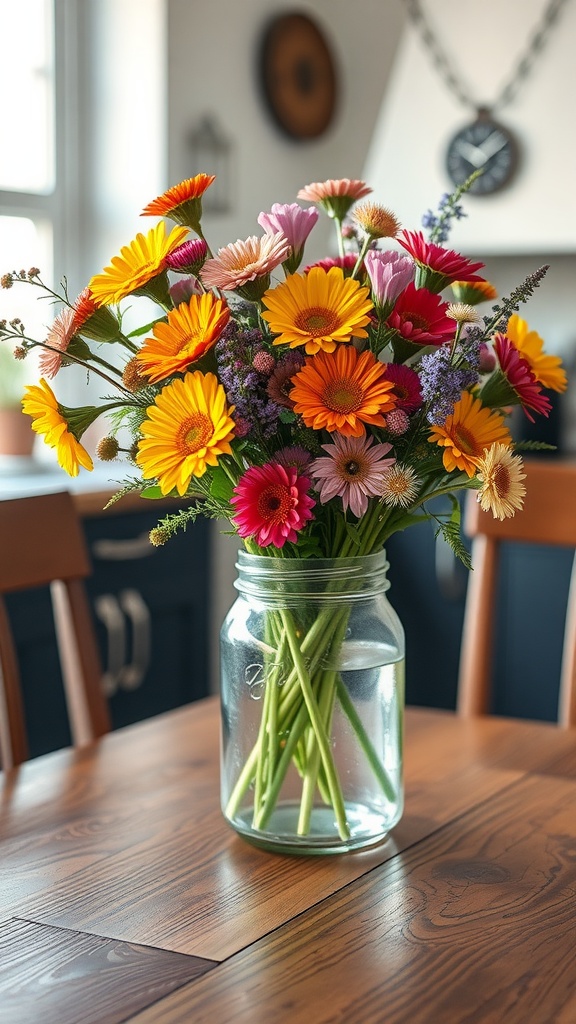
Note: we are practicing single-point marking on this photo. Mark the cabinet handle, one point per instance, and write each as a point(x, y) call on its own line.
point(135, 607)
point(112, 550)
point(109, 612)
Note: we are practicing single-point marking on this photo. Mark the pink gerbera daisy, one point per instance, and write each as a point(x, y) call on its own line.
point(336, 196)
point(406, 386)
point(419, 316)
point(293, 222)
point(59, 338)
point(272, 504)
point(437, 267)
point(519, 376)
point(245, 265)
point(353, 470)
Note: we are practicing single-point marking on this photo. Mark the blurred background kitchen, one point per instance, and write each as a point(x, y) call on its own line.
point(108, 102)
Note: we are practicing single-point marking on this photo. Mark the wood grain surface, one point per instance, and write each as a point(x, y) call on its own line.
point(141, 852)
point(55, 976)
point(475, 925)
point(124, 842)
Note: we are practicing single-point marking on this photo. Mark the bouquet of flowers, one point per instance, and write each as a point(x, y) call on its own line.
point(317, 408)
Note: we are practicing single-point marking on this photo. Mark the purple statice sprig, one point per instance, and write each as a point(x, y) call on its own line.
point(239, 355)
point(439, 225)
point(444, 375)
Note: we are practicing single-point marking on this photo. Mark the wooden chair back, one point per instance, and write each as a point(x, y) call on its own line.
point(548, 517)
point(42, 544)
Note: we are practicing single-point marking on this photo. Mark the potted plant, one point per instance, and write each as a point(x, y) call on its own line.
point(16, 434)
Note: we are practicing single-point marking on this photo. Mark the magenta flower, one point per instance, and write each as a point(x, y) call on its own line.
point(389, 274)
point(295, 223)
point(346, 263)
point(272, 504)
point(354, 470)
point(406, 386)
point(189, 257)
point(437, 267)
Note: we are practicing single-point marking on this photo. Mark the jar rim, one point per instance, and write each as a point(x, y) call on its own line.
point(352, 565)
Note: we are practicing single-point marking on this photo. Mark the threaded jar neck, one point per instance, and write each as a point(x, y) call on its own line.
point(266, 577)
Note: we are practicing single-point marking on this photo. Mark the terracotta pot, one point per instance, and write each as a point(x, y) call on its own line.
point(16, 434)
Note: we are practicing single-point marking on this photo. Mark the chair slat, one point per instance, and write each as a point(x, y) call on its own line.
point(42, 543)
point(548, 517)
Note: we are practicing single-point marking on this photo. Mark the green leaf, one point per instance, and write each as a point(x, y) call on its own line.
point(287, 416)
point(143, 330)
point(353, 533)
point(221, 486)
point(153, 491)
point(534, 446)
point(450, 531)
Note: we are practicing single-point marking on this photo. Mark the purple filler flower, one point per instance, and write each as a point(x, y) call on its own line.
point(353, 469)
point(295, 223)
point(389, 273)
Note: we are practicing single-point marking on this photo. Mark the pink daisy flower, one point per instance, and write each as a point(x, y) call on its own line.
point(184, 288)
point(293, 455)
point(354, 470)
point(419, 316)
point(243, 262)
point(336, 196)
point(520, 377)
point(438, 266)
point(272, 504)
point(59, 337)
point(293, 222)
point(406, 386)
point(389, 273)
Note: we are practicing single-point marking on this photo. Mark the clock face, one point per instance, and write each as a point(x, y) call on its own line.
point(483, 146)
point(297, 76)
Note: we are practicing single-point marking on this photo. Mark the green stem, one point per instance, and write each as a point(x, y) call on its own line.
point(318, 726)
point(371, 755)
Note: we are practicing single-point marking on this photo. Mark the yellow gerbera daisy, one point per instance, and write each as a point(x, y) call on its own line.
point(192, 328)
point(342, 391)
point(188, 427)
point(547, 369)
point(317, 310)
point(500, 473)
point(41, 404)
point(137, 264)
point(470, 429)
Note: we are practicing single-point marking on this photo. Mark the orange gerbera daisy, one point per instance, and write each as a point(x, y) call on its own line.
point(547, 369)
point(138, 263)
point(465, 435)
point(187, 428)
point(182, 202)
point(342, 391)
point(192, 328)
point(317, 310)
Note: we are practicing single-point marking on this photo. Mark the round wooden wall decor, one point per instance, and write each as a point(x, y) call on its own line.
point(298, 76)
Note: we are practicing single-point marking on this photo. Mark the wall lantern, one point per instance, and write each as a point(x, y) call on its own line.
point(211, 154)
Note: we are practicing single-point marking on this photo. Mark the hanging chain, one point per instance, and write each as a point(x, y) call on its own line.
point(536, 44)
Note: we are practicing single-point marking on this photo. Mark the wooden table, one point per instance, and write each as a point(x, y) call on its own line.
point(125, 897)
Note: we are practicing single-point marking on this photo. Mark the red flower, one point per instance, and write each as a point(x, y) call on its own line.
point(438, 267)
point(406, 386)
point(272, 504)
point(520, 377)
point(419, 316)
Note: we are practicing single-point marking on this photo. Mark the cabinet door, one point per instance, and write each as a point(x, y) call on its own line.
point(151, 610)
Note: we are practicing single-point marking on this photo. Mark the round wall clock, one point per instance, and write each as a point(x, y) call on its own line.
point(297, 76)
point(484, 145)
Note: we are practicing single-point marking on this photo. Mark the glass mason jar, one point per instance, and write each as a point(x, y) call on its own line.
point(312, 689)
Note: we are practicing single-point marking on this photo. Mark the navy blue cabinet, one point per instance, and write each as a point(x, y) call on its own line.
point(150, 610)
point(428, 590)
